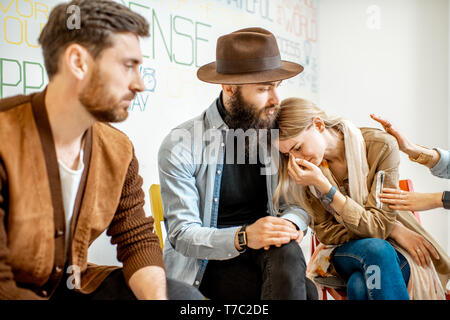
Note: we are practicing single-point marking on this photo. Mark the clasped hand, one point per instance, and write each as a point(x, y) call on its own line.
point(272, 231)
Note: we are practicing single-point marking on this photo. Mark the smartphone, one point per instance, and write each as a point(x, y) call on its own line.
point(379, 188)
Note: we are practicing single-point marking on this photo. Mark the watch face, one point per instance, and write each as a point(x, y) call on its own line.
point(242, 239)
point(446, 196)
point(326, 200)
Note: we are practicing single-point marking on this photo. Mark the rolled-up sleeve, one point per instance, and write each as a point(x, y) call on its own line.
point(297, 216)
point(328, 230)
point(442, 168)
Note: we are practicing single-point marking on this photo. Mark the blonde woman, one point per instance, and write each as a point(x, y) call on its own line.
point(331, 168)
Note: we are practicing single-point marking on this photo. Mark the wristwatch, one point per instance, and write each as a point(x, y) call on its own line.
point(242, 238)
point(446, 199)
point(328, 198)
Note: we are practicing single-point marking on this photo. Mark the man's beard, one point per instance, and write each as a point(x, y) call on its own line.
point(244, 115)
point(99, 101)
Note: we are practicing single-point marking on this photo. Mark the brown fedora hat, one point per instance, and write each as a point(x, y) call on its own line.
point(249, 55)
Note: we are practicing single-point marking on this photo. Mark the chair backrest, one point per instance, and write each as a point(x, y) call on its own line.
point(157, 210)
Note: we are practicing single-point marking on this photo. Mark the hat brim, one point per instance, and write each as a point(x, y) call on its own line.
point(287, 70)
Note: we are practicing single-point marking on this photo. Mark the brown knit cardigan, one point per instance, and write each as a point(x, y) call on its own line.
point(32, 227)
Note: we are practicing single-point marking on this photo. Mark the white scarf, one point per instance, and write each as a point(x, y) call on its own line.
point(357, 167)
point(355, 153)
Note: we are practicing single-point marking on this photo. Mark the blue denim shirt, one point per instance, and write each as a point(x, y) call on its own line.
point(190, 162)
point(442, 168)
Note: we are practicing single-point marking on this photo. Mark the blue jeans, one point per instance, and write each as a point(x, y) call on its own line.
point(373, 269)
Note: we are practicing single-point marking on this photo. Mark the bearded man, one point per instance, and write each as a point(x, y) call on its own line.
point(66, 175)
point(224, 235)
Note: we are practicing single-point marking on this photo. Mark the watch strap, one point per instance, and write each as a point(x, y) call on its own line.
point(446, 199)
point(328, 198)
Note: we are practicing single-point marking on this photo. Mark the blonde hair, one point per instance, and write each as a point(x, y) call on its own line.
point(296, 115)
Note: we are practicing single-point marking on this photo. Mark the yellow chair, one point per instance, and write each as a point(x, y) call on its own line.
point(157, 210)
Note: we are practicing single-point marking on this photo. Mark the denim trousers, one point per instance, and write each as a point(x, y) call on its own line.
point(373, 269)
point(114, 287)
point(274, 274)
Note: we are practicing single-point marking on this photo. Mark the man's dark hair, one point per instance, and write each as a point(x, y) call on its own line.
point(99, 19)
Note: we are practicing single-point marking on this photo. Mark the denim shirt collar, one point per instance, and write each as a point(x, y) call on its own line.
point(213, 115)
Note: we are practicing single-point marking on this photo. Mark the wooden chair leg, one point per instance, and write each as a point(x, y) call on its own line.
point(324, 294)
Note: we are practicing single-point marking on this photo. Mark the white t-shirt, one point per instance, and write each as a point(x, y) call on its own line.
point(70, 181)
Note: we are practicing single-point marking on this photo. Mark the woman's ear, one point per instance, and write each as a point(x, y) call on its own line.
point(319, 124)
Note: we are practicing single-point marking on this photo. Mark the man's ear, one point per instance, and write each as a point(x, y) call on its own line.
point(229, 89)
point(76, 59)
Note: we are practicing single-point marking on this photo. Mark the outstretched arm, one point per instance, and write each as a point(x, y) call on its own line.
point(411, 201)
point(425, 156)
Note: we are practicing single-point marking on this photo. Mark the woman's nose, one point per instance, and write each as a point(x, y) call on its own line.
point(297, 154)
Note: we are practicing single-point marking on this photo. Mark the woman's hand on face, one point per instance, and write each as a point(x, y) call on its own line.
point(305, 173)
point(410, 201)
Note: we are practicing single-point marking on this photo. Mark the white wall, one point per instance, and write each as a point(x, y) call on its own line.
point(183, 37)
point(399, 71)
point(180, 96)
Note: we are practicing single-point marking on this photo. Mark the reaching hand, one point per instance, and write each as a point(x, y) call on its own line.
point(404, 144)
point(412, 201)
point(431, 157)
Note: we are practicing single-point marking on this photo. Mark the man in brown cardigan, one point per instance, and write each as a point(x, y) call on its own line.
point(66, 175)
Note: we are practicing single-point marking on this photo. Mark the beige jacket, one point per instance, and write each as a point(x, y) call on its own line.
point(369, 221)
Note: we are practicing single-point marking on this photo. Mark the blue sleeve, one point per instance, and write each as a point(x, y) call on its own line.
point(180, 197)
point(296, 215)
point(442, 168)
